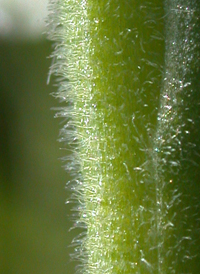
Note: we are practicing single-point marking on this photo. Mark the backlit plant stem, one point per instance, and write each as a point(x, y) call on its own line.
point(128, 74)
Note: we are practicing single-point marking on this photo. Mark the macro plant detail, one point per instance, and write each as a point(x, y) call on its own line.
point(128, 73)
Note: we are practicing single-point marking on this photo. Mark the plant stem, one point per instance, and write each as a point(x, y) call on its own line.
point(128, 72)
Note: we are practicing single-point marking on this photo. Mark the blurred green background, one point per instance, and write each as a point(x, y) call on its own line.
point(34, 219)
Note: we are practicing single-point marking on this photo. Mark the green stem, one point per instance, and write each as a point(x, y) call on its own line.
point(127, 82)
point(176, 139)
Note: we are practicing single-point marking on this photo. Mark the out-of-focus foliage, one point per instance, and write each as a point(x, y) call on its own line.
point(34, 221)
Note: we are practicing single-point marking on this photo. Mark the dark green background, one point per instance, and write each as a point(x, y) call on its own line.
point(34, 236)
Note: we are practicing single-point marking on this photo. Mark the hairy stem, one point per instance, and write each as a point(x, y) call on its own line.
point(128, 74)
